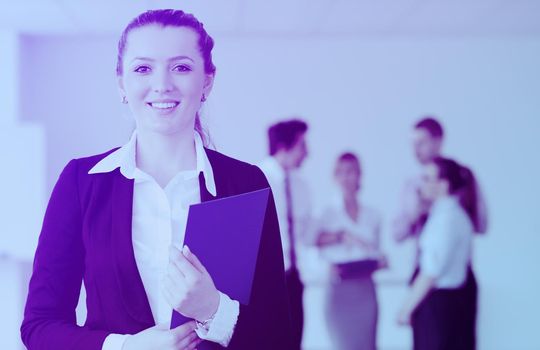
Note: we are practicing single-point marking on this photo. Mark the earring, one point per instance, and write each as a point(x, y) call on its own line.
point(124, 100)
point(203, 98)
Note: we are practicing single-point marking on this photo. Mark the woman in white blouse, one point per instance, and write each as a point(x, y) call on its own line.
point(117, 220)
point(349, 240)
point(441, 304)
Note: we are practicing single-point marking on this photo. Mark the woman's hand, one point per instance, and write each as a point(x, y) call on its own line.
point(352, 239)
point(188, 287)
point(404, 317)
point(326, 238)
point(383, 262)
point(160, 337)
point(421, 287)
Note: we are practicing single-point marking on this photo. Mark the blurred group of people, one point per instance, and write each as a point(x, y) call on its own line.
point(441, 209)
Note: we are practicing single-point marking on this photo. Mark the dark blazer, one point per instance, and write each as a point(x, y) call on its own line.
point(86, 235)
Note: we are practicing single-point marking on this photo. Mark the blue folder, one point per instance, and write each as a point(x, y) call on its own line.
point(225, 235)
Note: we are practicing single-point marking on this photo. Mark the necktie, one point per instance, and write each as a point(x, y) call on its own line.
point(290, 220)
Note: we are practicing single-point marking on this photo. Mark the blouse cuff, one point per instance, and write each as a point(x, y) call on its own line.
point(221, 328)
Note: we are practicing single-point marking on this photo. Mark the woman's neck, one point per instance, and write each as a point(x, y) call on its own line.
point(443, 196)
point(352, 207)
point(163, 156)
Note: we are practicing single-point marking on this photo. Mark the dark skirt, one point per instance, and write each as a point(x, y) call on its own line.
point(351, 312)
point(446, 318)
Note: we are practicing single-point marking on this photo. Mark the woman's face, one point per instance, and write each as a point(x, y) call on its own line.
point(432, 186)
point(348, 177)
point(163, 78)
point(426, 147)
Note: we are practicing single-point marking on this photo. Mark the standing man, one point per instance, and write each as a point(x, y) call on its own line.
point(287, 152)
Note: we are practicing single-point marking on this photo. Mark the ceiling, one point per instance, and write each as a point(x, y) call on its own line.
point(492, 18)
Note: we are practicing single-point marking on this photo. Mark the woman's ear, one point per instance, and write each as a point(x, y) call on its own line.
point(121, 90)
point(208, 84)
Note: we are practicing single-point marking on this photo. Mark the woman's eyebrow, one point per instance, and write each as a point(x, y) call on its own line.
point(142, 59)
point(178, 58)
point(175, 58)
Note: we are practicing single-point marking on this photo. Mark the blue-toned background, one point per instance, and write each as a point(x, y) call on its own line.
point(361, 72)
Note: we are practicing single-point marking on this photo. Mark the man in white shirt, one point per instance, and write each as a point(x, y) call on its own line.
point(287, 152)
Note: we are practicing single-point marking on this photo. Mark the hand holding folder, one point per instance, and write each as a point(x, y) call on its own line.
point(225, 235)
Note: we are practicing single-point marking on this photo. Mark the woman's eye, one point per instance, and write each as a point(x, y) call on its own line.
point(182, 68)
point(142, 69)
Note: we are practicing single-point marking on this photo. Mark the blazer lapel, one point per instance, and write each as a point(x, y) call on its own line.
point(127, 274)
point(205, 195)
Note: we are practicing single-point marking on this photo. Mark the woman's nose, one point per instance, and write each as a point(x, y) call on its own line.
point(163, 82)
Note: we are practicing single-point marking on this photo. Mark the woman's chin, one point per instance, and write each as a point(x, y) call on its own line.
point(167, 128)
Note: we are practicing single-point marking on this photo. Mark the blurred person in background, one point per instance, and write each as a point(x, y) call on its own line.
point(428, 136)
point(348, 239)
point(441, 302)
point(288, 150)
point(117, 220)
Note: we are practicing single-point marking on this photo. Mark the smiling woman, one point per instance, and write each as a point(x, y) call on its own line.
point(117, 220)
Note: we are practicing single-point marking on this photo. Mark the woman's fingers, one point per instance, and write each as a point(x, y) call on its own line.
point(174, 293)
point(193, 345)
point(161, 337)
point(192, 258)
point(184, 330)
point(194, 295)
point(189, 271)
point(188, 342)
point(174, 273)
point(185, 336)
point(176, 287)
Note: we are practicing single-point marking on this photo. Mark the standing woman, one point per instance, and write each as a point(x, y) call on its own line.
point(349, 240)
point(441, 303)
point(116, 220)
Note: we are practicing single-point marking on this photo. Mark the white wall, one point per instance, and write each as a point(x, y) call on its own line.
point(361, 94)
point(22, 191)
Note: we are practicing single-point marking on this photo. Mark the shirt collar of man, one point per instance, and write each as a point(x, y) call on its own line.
point(272, 165)
point(124, 158)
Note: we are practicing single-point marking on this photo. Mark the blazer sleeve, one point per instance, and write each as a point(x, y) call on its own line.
point(49, 317)
point(265, 323)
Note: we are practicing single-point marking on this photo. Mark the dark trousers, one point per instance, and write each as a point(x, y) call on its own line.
point(295, 289)
point(446, 319)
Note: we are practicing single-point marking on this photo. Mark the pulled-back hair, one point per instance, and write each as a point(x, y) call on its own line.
point(432, 126)
point(349, 157)
point(461, 183)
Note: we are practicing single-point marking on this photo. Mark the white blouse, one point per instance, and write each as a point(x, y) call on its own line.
point(446, 243)
point(334, 218)
point(158, 221)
